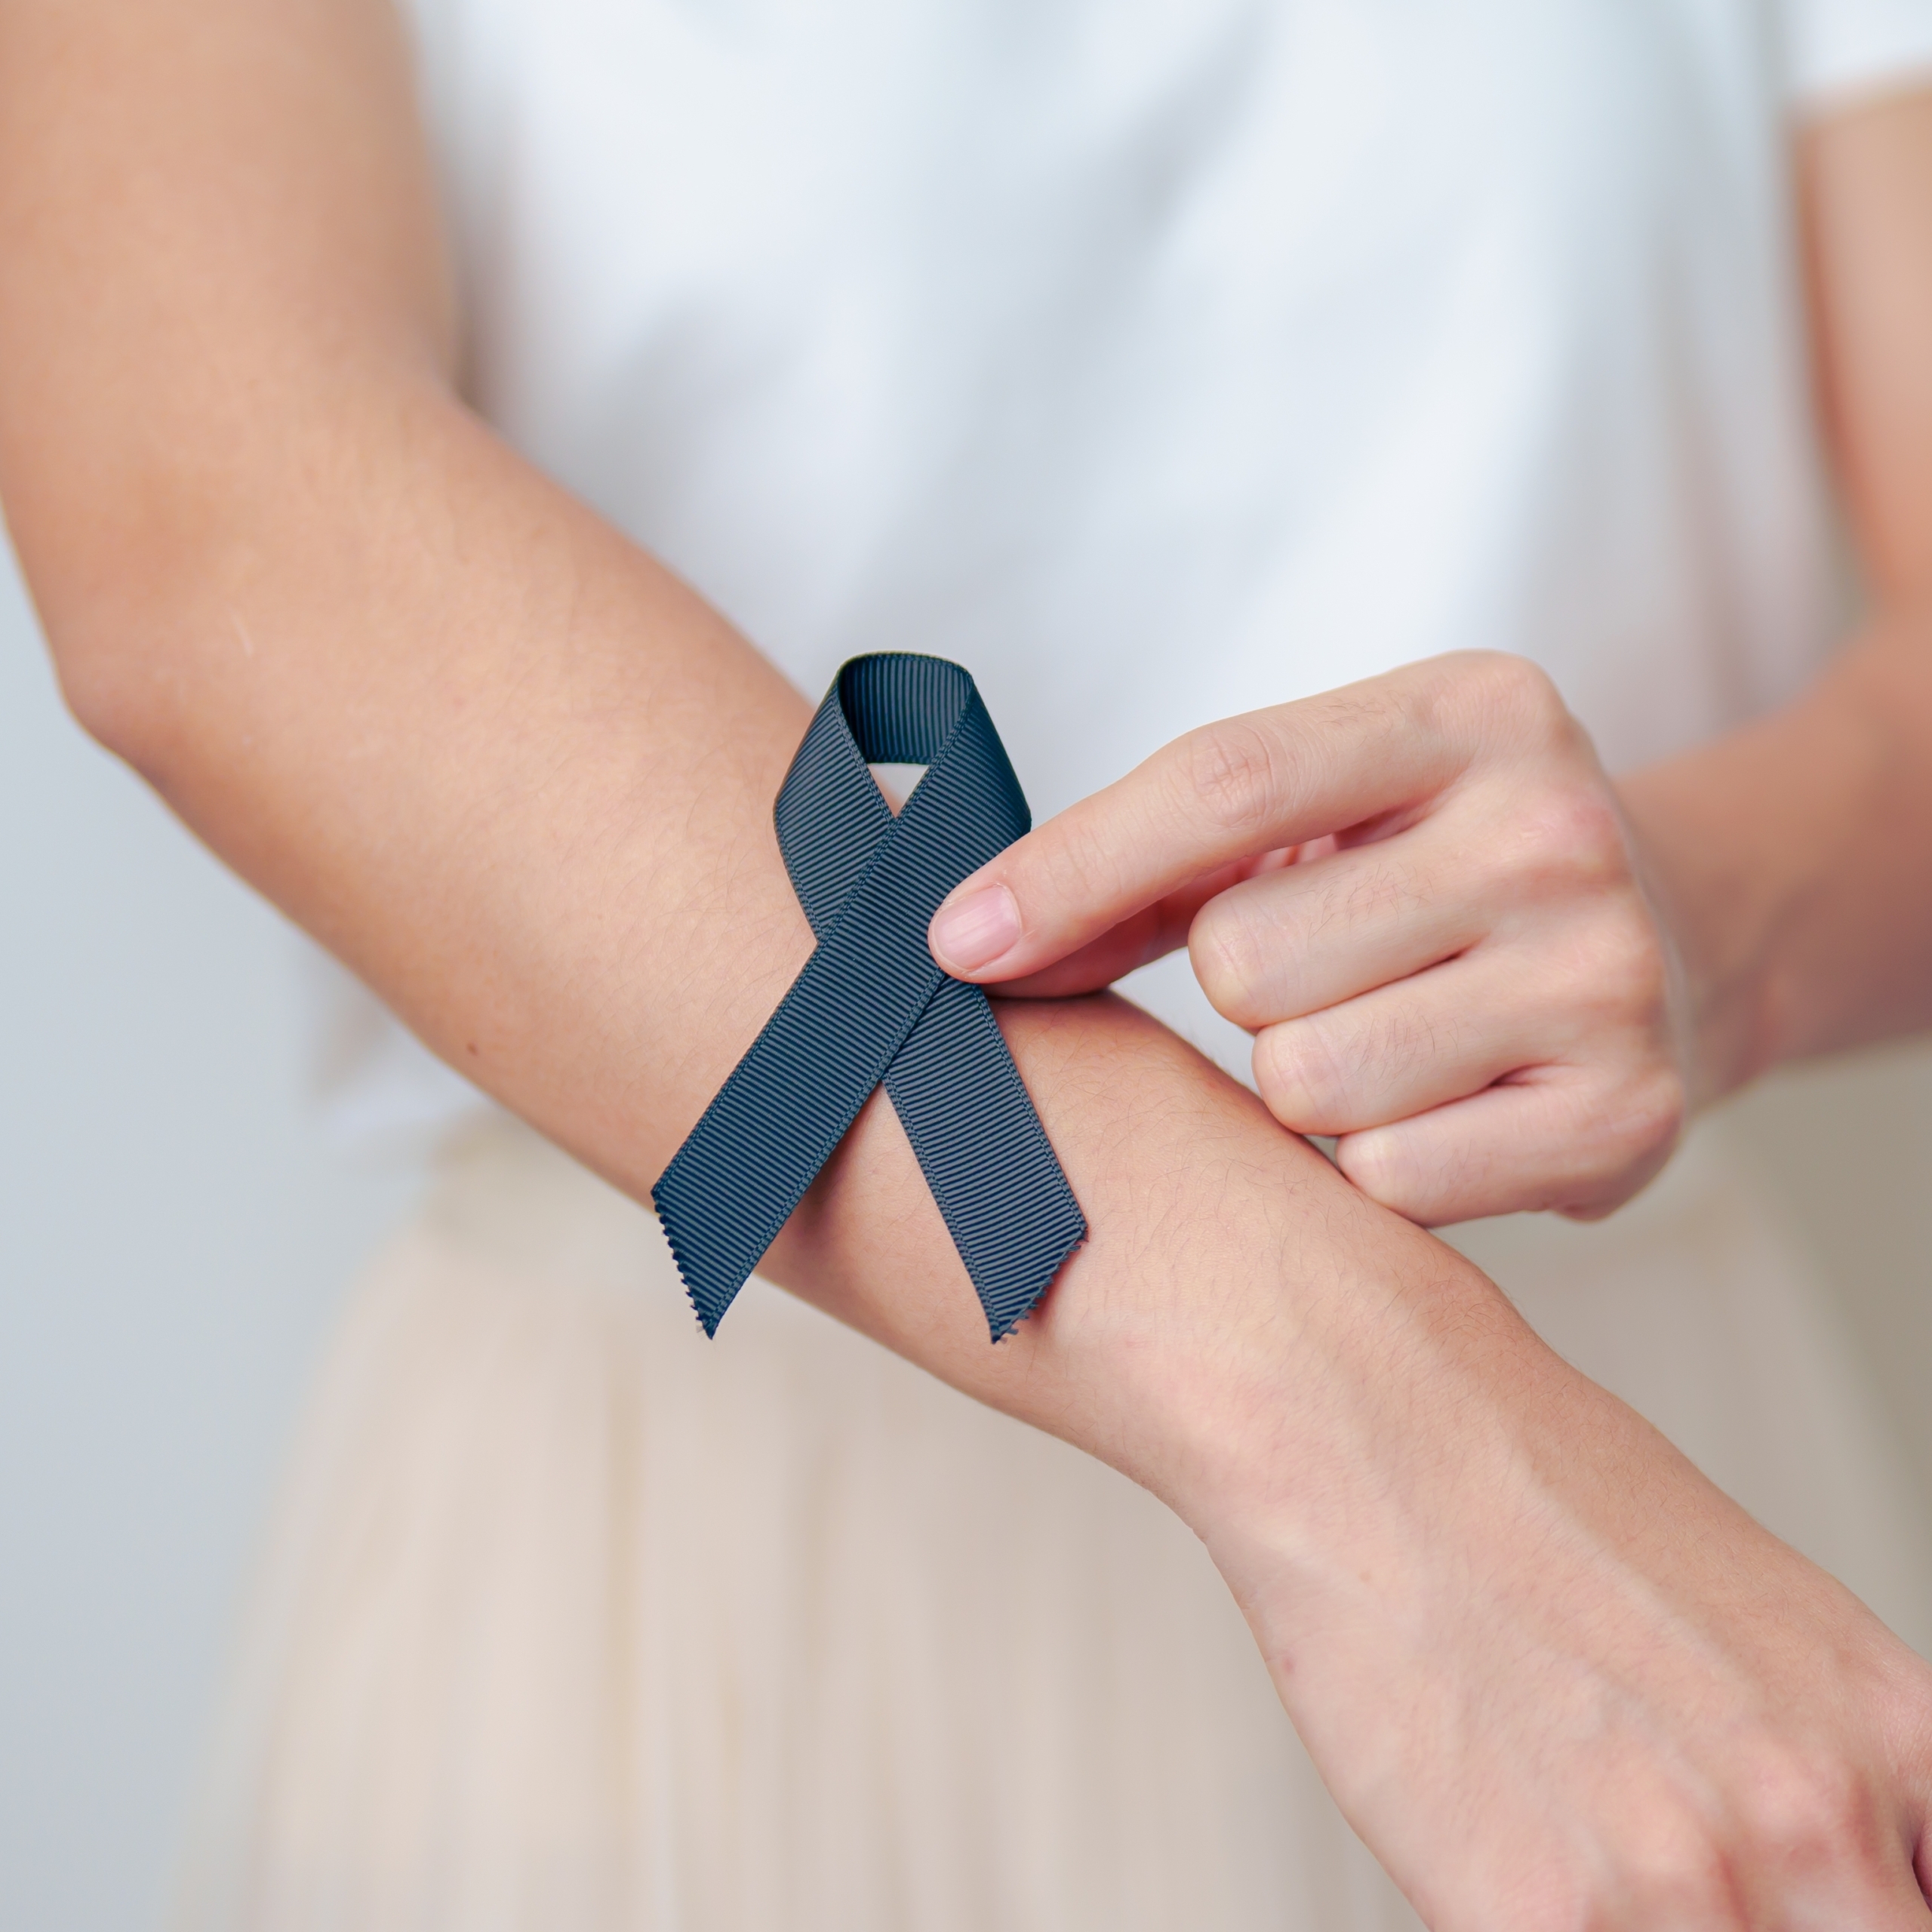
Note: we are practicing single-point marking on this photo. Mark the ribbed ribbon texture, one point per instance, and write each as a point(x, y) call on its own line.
point(871, 1007)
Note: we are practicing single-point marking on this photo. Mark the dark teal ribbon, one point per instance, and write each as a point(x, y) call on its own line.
point(870, 1006)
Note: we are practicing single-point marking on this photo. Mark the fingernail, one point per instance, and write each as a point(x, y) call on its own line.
point(970, 932)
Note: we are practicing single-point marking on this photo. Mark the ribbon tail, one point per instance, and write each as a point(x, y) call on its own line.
point(985, 1155)
point(787, 1104)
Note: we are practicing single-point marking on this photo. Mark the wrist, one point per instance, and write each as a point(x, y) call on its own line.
point(1332, 1474)
point(1233, 1289)
point(1713, 922)
point(1773, 858)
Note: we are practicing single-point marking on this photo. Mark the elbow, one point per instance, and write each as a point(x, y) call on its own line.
point(133, 690)
point(110, 624)
point(109, 695)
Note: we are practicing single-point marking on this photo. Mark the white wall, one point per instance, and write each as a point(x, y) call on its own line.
point(172, 1240)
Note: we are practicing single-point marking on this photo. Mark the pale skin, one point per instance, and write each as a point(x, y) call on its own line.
point(1501, 980)
point(520, 778)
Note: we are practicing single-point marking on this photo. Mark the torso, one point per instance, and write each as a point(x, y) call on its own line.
point(1164, 361)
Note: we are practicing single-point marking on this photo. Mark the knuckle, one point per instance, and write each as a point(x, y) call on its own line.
point(1231, 771)
point(1379, 1165)
point(1803, 1810)
point(1568, 838)
point(1627, 951)
point(1612, 984)
point(1230, 959)
point(1433, 1178)
point(1683, 1872)
point(1519, 698)
point(1650, 1113)
point(1611, 975)
point(1619, 1133)
point(1302, 1081)
point(1337, 1070)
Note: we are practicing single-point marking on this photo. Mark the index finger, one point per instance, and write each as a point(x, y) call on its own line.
point(1223, 793)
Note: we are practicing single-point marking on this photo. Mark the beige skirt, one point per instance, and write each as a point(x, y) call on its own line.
point(569, 1619)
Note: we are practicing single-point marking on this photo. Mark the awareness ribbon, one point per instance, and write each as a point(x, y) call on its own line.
point(872, 1006)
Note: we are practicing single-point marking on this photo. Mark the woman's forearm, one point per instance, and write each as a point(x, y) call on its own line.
point(1793, 858)
point(521, 780)
point(1792, 863)
point(486, 749)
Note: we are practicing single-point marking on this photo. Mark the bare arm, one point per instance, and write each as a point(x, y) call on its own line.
point(1794, 859)
point(521, 779)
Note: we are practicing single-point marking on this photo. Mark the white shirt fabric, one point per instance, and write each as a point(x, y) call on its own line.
point(1162, 359)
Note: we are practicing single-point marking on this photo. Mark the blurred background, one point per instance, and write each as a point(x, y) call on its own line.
point(159, 1169)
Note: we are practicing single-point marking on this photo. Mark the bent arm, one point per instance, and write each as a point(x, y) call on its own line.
point(1794, 858)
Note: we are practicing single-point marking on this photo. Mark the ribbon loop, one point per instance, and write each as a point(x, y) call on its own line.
point(871, 1007)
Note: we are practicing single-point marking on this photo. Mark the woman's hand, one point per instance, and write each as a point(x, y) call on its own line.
point(1555, 1679)
point(1420, 895)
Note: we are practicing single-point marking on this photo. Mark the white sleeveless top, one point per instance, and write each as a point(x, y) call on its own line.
point(1161, 359)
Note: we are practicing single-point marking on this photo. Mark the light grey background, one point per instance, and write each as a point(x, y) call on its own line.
point(173, 1238)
